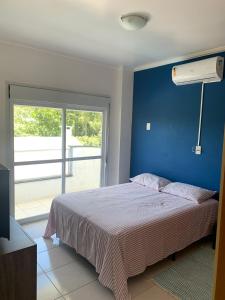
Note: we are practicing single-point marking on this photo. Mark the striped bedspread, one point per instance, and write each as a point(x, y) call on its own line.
point(123, 229)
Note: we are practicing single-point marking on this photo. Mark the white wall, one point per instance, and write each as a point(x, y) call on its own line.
point(125, 124)
point(40, 68)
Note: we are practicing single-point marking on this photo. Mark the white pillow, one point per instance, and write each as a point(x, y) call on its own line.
point(150, 180)
point(190, 192)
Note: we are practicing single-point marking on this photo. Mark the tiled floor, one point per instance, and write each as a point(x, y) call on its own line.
point(62, 274)
point(33, 208)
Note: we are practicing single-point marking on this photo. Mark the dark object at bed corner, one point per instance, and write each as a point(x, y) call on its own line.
point(216, 196)
point(4, 202)
point(214, 236)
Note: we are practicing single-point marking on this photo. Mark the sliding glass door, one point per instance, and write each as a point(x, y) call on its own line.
point(56, 150)
point(84, 141)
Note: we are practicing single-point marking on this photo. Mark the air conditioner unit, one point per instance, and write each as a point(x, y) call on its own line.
point(206, 70)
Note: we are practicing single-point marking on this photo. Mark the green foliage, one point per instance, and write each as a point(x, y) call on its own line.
point(36, 121)
point(84, 123)
point(41, 121)
point(94, 141)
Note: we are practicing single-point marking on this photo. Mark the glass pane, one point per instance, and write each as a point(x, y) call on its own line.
point(84, 174)
point(35, 188)
point(83, 133)
point(37, 133)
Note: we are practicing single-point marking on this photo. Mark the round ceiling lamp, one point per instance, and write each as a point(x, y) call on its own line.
point(133, 21)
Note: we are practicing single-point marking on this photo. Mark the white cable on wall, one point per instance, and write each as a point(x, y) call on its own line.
point(200, 115)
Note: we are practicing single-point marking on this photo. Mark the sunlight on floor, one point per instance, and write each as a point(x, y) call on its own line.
point(33, 208)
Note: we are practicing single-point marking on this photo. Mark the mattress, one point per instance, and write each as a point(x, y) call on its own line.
point(122, 229)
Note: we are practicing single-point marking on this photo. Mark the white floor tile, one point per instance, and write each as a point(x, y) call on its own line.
point(36, 229)
point(92, 291)
point(19, 213)
point(45, 289)
point(46, 244)
point(54, 258)
point(39, 270)
point(31, 208)
point(37, 210)
point(28, 205)
point(46, 202)
point(72, 276)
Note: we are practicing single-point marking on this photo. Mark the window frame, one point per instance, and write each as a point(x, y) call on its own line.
point(64, 106)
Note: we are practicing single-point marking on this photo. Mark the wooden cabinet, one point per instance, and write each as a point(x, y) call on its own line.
point(219, 273)
point(18, 265)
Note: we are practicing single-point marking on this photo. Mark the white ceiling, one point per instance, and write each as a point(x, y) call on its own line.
point(90, 29)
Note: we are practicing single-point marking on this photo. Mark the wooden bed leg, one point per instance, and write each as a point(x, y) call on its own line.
point(173, 256)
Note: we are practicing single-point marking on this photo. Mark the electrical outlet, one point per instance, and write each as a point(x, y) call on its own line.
point(198, 150)
point(148, 126)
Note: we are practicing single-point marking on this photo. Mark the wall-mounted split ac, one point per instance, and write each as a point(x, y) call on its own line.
point(202, 71)
point(206, 71)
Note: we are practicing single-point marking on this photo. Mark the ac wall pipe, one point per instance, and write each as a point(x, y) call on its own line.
point(200, 115)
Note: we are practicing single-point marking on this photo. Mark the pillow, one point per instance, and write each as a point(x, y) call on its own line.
point(190, 192)
point(150, 180)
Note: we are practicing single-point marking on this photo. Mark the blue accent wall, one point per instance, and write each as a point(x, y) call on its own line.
point(173, 111)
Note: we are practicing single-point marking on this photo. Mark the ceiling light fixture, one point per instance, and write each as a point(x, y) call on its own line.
point(134, 21)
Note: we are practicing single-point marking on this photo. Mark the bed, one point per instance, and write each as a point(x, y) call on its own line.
point(123, 229)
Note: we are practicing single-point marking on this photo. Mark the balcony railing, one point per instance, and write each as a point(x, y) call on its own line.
point(36, 185)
